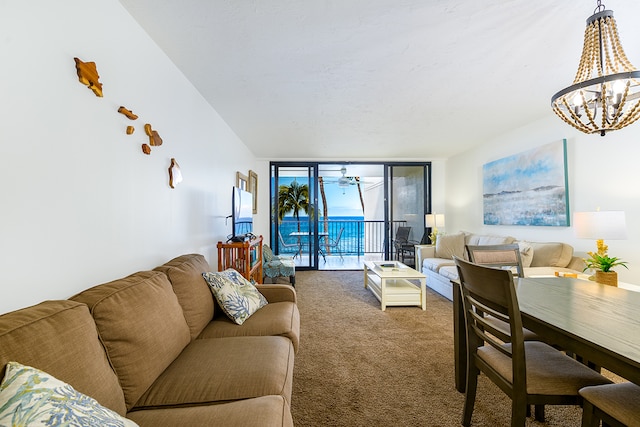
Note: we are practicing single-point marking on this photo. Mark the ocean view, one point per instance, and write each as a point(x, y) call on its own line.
point(352, 240)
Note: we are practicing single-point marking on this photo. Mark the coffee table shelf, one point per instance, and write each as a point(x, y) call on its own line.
point(398, 285)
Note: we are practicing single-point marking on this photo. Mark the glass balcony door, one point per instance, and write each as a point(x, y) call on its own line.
point(294, 226)
point(408, 188)
point(336, 215)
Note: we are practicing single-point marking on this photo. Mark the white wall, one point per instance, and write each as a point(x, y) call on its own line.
point(81, 204)
point(603, 172)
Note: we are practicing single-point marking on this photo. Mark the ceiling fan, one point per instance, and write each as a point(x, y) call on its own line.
point(343, 181)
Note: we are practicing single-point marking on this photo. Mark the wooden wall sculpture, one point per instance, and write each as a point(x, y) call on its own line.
point(88, 75)
point(175, 176)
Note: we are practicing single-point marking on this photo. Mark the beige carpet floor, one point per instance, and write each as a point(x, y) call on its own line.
point(360, 366)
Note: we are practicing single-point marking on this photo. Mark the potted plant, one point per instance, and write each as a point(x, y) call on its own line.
point(602, 263)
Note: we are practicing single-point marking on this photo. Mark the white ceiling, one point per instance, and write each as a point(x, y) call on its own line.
point(376, 79)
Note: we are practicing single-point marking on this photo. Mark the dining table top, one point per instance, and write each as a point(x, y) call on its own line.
point(599, 322)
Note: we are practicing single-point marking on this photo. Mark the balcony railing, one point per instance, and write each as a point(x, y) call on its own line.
point(358, 237)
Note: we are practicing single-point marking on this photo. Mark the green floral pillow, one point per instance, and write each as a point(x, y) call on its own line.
point(238, 297)
point(29, 396)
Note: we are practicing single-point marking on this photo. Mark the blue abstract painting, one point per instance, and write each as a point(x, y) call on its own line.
point(529, 188)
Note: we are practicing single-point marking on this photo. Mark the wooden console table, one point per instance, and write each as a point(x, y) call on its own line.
point(245, 257)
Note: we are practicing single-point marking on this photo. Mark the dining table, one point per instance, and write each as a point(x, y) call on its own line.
point(598, 323)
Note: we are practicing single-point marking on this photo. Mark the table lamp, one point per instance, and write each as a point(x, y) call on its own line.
point(600, 225)
point(434, 221)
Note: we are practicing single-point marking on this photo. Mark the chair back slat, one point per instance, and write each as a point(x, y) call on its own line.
point(486, 328)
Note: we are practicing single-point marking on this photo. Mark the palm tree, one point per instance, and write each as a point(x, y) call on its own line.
point(294, 198)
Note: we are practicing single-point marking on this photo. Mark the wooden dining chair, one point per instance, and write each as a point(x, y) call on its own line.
point(616, 405)
point(498, 256)
point(529, 372)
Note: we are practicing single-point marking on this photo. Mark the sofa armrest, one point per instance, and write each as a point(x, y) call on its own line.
point(278, 293)
point(577, 263)
point(422, 252)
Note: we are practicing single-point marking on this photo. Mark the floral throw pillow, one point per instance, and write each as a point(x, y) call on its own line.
point(29, 396)
point(237, 297)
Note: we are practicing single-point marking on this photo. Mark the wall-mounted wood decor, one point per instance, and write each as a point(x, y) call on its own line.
point(130, 130)
point(127, 113)
point(146, 149)
point(175, 176)
point(242, 181)
point(253, 189)
point(154, 136)
point(88, 75)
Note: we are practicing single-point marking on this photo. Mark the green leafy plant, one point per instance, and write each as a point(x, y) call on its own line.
point(601, 260)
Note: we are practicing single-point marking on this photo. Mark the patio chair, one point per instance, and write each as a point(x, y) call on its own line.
point(405, 248)
point(332, 244)
point(274, 266)
point(296, 245)
point(529, 372)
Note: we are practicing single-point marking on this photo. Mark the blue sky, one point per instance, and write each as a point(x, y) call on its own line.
point(339, 204)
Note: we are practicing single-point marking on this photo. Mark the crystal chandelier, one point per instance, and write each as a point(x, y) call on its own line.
point(605, 94)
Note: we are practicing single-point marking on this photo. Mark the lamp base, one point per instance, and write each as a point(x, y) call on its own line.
point(609, 278)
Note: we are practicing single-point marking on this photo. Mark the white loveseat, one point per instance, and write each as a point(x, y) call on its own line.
point(538, 258)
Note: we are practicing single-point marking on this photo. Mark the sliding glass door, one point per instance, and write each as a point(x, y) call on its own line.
point(294, 227)
point(408, 201)
point(336, 215)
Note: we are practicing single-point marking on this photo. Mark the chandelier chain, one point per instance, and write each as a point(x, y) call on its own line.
point(599, 8)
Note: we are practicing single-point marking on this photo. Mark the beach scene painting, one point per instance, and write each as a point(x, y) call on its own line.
point(529, 188)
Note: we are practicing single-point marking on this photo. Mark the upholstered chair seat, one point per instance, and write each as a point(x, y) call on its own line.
point(274, 266)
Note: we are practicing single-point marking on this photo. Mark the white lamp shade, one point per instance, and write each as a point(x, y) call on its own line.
point(434, 220)
point(600, 225)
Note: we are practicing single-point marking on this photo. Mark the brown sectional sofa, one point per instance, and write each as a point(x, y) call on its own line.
point(154, 347)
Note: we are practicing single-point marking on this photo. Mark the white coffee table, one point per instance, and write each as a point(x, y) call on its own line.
point(393, 283)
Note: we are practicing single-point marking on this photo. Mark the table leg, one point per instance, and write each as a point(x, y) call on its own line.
point(366, 276)
point(383, 293)
point(423, 293)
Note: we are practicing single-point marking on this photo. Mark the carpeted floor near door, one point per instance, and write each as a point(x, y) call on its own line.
point(360, 366)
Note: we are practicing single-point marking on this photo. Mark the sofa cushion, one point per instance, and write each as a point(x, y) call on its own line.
point(35, 397)
point(450, 272)
point(487, 239)
point(552, 254)
point(435, 264)
point(60, 337)
point(278, 318)
point(141, 325)
point(450, 245)
point(224, 369)
point(237, 297)
point(526, 253)
point(194, 295)
point(266, 411)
